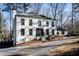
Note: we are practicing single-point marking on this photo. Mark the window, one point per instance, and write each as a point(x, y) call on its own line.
point(30, 22)
point(30, 31)
point(52, 24)
point(47, 31)
point(47, 23)
point(39, 22)
point(52, 31)
point(22, 21)
point(57, 32)
point(22, 32)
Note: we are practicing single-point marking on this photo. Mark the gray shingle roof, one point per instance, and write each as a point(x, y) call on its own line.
point(34, 16)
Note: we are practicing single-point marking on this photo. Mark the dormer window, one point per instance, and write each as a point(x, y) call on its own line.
point(47, 23)
point(22, 21)
point(30, 22)
point(39, 22)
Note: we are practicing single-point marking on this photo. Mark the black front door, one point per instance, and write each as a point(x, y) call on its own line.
point(39, 32)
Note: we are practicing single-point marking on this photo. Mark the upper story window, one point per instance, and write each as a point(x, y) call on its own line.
point(22, 21)
point(52, 24)
point(22, 32)
point(30, 32)
point(47, 23)
point(30, 22)
point(39, 22)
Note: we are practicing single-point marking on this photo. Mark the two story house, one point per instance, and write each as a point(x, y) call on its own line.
point(28, 26)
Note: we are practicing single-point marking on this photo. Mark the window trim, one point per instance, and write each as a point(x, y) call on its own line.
point(22, 22)
point(30, 23)
point(39, 23)
point(31, 33)
point(47, 23)
point(52, 24)
point(22, 34)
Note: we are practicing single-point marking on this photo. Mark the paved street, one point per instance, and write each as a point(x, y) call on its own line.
point(42, 48)
point(31, 51)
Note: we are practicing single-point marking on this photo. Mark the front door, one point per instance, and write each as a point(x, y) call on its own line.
point(39, 32)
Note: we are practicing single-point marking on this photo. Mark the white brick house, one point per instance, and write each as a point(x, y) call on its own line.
point(26, 27)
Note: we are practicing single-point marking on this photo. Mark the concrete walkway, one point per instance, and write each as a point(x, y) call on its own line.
point(36, 50)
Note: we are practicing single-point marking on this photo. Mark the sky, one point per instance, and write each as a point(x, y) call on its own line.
point(6, 15)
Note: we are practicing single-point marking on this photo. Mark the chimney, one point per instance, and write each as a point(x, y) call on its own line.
point(13, 14)
point(14, 11)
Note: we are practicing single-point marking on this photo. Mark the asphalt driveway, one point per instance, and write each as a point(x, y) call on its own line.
point(37, 50)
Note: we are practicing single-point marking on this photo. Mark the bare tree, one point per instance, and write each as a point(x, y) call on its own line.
point(36, 7)
point(58, 12)
point(46, 12)
point(22, 7)
point(74, 19)
point(54, 7)
point(18, 7)
point(62, 13)
point(73, 24)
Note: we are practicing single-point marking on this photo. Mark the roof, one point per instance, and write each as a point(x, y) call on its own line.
point(33, 16)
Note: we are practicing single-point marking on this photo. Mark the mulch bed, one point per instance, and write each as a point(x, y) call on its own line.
point(71, 49)
point(28, 43)
point(39, 41)
point(73, 52)
point(57, 37)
